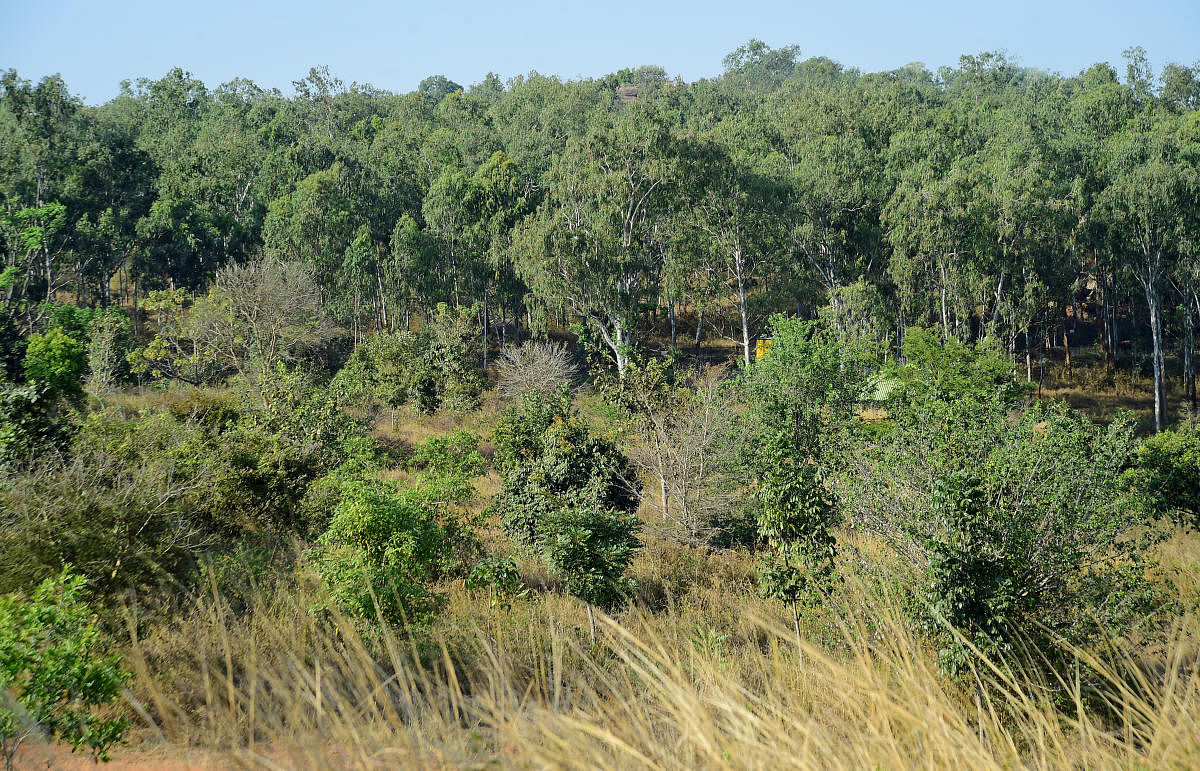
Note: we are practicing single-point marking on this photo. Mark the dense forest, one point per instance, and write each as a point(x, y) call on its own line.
point(592, 422)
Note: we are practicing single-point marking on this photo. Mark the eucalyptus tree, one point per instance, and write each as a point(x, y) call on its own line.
point(1150, 207)
point(739, 246)
point(596, 246)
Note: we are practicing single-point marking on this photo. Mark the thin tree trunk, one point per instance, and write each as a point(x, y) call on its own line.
point(1160, 390)
point(741, 286)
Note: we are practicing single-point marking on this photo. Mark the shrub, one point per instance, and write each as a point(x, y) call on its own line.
point(534, 368)
point(50, 670)
point(796, 521)
point(549, 460)
point(589, 547)
point(381, 551)
point(56, 360)
point(31, 426)
point(107, 349)
point(933, 369)
point(1017, 523)
point(455, 454)
point(1165, 476)
point(437, 367)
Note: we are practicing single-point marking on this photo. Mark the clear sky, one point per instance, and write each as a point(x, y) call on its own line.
point(95, 44)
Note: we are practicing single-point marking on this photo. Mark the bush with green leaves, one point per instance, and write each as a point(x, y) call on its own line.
point(968, 587)
point(1016, 524)
point(32, 426)
point(500, 577)
point(454, 454)
point(796, 522)
point(589, 547)
point(53, 678)
point(549, 459)
point(804, 390)
point(137, 500)
point(931, 369)
point(56, 360)
point(383, 549)
point(1165, 475)
point(107, 350)
point(440, 366)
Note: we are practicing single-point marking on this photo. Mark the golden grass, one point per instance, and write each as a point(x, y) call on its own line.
point(698, 673)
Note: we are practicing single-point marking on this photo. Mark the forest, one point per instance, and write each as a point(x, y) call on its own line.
point(797, 417)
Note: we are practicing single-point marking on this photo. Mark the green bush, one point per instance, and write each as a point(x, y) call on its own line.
point(455, 454)
point(381, 552)
point(1016, 523)
point(51, 675)
point(438, 367)
point(135, 501)
point(32, 426)
point(796, 521)
point(1165, 476)
point(589, 547)
point(550, 460)
point(56, 360)
point(931, 369)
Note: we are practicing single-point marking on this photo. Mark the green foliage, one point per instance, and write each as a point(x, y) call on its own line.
point(796, 521)
point(968, 584)
point(56, 360)
point(805, 387)
point(438, 367)
point(31, 425)
point(945, 370)
point(135, 501)
point(455, 454)
point(1165, 475)
point(382, 550)
point(108, 346)
point(53, 679)
point(500, 576)
point(589, 547)
point(549, 459)
point(1019, 523)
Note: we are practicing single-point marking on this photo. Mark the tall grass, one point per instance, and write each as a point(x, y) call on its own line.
point(697, 674)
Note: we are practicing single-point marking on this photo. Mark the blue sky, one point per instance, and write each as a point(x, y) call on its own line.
point(96, 44)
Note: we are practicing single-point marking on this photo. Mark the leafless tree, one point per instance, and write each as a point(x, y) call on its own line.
point(686, 444)
point(534, 368)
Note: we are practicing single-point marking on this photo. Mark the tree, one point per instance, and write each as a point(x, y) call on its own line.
point(382, 549)
point(549, 460)
point(1150, 204)
point(589, 546)
point(796, 521)
point(596, 246)
point(55, 360)
point(51, 674)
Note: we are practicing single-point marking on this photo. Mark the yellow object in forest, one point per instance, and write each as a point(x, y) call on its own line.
point(761, 345)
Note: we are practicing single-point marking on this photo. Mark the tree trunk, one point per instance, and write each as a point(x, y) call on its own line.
point(671, 316)
point(745, 319)
point(485, 326)
point(1160, 389)
point(1189, 345)
point(699, 329)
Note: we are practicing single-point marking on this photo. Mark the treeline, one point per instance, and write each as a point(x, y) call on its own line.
point(983, 200)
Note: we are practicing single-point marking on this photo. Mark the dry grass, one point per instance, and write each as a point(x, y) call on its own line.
point(699, 673)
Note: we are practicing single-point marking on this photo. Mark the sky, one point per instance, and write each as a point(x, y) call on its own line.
point(96, 44)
